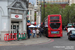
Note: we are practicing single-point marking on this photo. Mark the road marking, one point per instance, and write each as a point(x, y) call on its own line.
point(52, 40)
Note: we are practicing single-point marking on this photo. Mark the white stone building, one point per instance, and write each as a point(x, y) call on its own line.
point(71, 2)
point(38, 15)
point(13, 16)
point(52, 1)
point(31, 12)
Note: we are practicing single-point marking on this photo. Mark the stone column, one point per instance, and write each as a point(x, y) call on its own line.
point(29, 14)
point(9, 20)
point(37, 18)
point(24, 23)
point(5, 28)
point(5, 24)
point(0, 21)
point(33, 14)
point(20, 27)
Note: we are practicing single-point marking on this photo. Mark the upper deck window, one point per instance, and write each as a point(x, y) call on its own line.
point(54, 17)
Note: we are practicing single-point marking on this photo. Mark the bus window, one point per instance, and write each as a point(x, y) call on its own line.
point(55, 17)
point(54, 21)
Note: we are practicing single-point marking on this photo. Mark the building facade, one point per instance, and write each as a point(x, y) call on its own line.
point(13, 15)
point(38, 15)
point(53, 1)
point(71, 2)
point(30, 15)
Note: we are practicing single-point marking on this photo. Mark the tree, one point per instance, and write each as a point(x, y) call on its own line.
point(35, 16)
point(67, 13)
point(72, 13)
point(51, 9)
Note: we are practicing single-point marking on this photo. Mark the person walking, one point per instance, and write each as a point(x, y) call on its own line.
point(31, 32)
point(37, 32)
point(40, 32)
point(34, 33)
point(28, 32)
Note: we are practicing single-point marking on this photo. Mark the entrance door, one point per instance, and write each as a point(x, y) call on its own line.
point(14, 27)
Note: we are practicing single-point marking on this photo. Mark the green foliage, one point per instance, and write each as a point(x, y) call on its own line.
point(67, 13)
point(35, 16)
point(51, 9)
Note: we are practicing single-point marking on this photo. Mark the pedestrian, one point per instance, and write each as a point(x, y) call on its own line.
point(34, 33)
point(31, 32)
point(37, 32)
point(40, 32)
point(28, 32)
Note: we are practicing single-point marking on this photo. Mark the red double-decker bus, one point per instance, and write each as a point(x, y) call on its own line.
point(54, 26)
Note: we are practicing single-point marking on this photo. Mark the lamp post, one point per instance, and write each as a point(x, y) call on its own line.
point(35, 9)
point(40, 13)
point(44, 8)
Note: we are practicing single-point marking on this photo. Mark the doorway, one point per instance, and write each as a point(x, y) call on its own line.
point(14, 27)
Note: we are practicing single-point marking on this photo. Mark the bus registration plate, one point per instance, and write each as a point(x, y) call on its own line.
point(55, 35)
point(54, 32)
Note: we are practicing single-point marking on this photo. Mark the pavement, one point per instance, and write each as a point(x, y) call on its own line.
point(31, 41)
point(56, 44)
point(0, 36)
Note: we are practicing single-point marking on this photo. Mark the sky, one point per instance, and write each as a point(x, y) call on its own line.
point(32, 1)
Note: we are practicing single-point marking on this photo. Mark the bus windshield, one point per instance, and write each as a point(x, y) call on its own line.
point(54, 25)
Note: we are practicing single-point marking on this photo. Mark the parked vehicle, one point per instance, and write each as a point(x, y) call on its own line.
point(71, 34)
point(65, 28)
point(69, 25)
